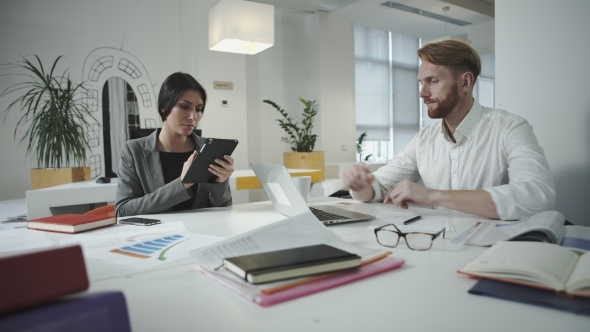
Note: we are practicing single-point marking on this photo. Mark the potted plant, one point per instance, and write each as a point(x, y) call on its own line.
point(360, 149)
point(301, 138)
point(54, 123)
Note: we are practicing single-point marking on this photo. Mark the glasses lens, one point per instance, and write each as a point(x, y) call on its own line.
point(419, 241)
point(387, 238)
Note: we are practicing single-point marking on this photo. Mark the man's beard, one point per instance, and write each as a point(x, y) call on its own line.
point(445, 106)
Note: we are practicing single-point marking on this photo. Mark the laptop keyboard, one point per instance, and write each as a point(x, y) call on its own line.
point(323, 215)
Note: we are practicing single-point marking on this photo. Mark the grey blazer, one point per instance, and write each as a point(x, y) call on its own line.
point(140, 184)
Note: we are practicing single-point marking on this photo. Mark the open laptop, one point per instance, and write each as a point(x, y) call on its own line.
point(287, 200)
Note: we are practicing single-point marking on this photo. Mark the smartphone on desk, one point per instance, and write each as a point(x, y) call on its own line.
point(139, 221)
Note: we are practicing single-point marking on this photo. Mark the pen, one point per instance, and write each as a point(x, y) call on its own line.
point(411, 220)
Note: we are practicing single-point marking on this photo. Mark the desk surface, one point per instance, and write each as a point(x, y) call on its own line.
point(427, 294)
point(40, 201)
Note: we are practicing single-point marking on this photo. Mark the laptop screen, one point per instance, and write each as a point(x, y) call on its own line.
point(280, 189)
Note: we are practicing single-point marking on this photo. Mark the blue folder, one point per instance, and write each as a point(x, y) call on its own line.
point(530, 295)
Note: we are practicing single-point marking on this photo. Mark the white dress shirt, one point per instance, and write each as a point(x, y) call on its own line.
point(495, 151)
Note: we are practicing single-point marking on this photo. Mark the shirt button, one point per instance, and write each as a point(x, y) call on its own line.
point(454, 171)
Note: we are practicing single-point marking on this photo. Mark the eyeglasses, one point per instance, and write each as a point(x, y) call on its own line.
point(414, 240)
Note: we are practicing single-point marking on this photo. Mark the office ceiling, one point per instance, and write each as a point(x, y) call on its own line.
point(372, 13)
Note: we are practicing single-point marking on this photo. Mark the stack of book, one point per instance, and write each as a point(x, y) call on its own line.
point(289, 259)
point(41, 290)
point(536, 273)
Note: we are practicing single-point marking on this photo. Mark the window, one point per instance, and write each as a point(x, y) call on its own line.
point(483, 91)
point(388, 104)
point(387, 100)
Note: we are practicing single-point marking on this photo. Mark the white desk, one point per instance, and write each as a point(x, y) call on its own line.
point(424, 295)
point(40, 201)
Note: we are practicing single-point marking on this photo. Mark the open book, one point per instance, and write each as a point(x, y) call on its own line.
point(541, 265)
point(542, 227)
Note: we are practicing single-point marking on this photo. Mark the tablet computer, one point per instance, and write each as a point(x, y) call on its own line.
point(213, 148)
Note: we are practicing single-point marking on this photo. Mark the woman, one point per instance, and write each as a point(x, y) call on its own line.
point(151, 168)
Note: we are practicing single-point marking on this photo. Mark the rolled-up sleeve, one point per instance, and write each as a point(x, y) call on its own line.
point(220, 194)
point(530, 188)
point(402, 166)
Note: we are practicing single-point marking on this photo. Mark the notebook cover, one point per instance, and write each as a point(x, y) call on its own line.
point(35, 278)
point(68, 220)
point(281, 260)
point(99, 312)
point(338, 279)
point(529, 295)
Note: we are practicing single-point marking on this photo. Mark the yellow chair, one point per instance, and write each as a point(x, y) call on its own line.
point(107, 210)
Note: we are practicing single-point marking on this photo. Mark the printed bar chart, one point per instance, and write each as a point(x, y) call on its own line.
point(151, 248)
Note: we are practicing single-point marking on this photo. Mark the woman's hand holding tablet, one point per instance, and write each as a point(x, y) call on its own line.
point(212, 164)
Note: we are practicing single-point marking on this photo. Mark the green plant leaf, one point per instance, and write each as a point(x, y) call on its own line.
point(53, 118)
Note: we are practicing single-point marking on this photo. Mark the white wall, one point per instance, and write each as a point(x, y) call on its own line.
point(313, 57)
point(542, 69)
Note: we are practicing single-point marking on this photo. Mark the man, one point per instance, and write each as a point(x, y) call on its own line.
point(476, 160)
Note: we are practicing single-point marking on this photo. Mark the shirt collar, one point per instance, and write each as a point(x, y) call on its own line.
point(469, 123)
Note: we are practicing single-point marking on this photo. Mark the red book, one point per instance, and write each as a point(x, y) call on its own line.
point(71, 223)
point(35, 278)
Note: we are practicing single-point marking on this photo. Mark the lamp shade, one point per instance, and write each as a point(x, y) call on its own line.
point(240, 26)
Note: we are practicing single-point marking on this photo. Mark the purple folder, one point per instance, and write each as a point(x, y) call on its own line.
point(98, 312)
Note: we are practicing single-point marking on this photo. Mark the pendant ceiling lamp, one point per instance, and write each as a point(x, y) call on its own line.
point(240, 26)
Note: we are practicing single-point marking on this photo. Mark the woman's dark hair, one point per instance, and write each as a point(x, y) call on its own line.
point(173, 88)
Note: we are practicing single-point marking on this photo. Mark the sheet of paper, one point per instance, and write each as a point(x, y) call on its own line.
point(577, 238)
point(141, 247)
point(23, 239)
point(431, 224)
point(6, 225)
point(11, 209)
point(298, 231)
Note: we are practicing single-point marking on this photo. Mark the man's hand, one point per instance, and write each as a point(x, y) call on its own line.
point(477, 202)
point(223, 169)
point(407, 191)
point(185, 167)
point(359, 179)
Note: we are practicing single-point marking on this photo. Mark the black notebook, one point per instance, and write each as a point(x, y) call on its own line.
point(290, 263)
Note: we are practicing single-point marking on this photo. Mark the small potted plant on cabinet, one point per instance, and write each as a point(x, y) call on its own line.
point(301, 138)
point(54, 123)
point(360, 149)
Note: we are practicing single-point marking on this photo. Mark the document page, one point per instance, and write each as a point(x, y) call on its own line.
point(577, 238)
point(540, 263)
point(549, 223)
point(140, 247)
point(23, 239)
point(298, 231)
point(579, 281)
